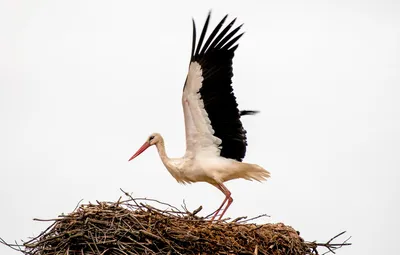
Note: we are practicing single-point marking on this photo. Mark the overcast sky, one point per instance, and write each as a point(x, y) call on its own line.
point(83, 83)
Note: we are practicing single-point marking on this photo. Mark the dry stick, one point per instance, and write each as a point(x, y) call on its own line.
point(330, 246)
point(41, 234)
point(148, 234)
point(239, 218)
point(77, 205)
point(197, 211)
point(184, 206)
point(12, 246)
point(161, 203)
point(208, 216)
point(55, 219)
point(118, 201)
point(132, 199)
point(256, 250)
point(254, 218)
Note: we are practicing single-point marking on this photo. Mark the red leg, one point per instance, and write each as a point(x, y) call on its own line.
point(218, 186)
point(228, 198)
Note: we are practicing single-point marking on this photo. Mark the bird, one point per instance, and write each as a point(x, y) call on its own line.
point(215, 138)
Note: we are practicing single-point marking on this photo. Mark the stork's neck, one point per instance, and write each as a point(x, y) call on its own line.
point(161, 151)
point(168, 163)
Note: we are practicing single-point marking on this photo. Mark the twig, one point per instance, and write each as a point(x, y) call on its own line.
point(184, 207)
point(239, 218)
point(333, 246)
point(197, 210)
point(77, 205)
point(254, 218)
point(12, 246)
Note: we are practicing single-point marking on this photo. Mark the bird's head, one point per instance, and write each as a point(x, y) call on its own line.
point(151, 140)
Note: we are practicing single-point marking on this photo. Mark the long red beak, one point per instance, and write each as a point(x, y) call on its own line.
point(142, 149)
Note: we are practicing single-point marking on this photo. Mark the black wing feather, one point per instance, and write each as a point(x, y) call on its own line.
point(232, 42)
point(216, 92)
point(193, 38)
point(203, 33)
point(227, 38)
point(222, 34)
point(213, 34)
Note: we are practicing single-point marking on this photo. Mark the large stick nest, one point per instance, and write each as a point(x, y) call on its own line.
point(133, 226)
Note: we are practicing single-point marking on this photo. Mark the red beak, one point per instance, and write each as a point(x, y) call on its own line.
point(142, 149)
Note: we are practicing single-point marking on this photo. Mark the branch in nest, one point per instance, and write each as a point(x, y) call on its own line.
point(331, 246)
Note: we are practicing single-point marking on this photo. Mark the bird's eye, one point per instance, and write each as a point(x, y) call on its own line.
point(151, 137)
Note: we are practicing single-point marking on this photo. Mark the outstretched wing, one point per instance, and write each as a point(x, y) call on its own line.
point(212, 119)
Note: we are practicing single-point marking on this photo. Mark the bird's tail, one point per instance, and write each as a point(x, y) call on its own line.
point(248, 112)
point(255, 172)
point(248, 172)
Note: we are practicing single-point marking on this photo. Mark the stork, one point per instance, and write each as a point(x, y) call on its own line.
point(215, 138)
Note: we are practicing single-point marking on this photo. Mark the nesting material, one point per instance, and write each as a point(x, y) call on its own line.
point(134, 227)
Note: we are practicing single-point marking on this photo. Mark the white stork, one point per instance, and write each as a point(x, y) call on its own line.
point(215, 138)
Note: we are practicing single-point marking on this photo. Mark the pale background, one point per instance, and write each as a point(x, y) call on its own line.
point(82, 84)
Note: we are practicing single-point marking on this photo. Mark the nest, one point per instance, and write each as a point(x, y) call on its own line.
point(133, 226)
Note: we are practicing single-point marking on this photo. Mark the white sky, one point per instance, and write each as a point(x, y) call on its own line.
point(82, 84)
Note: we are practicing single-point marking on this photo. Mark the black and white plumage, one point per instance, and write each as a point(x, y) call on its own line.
point(215, 58)
point(215, 137)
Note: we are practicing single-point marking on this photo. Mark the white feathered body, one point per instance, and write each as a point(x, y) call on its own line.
point(202, 167)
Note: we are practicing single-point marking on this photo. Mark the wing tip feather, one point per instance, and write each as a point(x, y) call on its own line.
point(216, 41)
